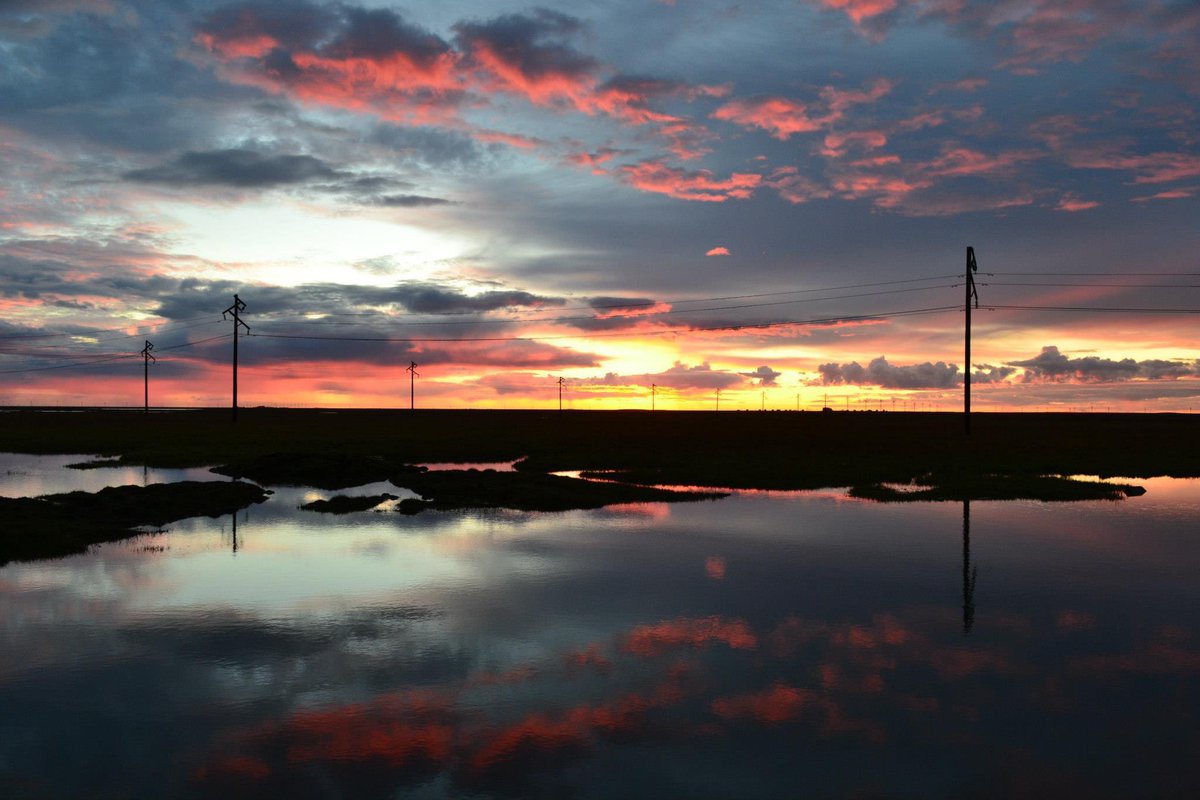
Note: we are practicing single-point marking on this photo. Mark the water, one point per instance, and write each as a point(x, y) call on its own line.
point(765, 645)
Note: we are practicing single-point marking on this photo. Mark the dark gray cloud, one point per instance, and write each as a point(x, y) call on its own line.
point(892, 376)
point(1052, 365)
point(379, 33)
point(409, 201)
point(241, 168)
point(765, 375)
point(531, 43)
point(289, 24)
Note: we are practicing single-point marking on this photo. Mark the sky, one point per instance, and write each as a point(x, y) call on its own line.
point(680, 203)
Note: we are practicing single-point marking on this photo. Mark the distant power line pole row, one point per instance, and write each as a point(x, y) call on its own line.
point(234, 312)
point(146, 359)
point(411, 369)
point(972, 295)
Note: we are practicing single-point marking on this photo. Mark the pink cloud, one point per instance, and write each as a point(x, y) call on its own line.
point(1171, 194)
point(718, 251)
point(961, 161)
point(1149, 168)
point(794, 187)
point(1071, 203)
point(777, 115)
point(511, 139)
point(700, 185)
point(841, 99)
point(595, 159)
point(837, 144)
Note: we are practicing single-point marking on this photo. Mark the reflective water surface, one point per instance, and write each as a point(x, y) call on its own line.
point(764, 645)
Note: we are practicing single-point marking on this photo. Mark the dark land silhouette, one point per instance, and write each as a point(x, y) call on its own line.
point(883, 456)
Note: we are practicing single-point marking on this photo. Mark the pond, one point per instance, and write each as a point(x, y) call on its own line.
point(762, 645)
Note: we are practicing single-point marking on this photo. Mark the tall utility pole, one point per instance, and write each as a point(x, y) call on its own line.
point(653, 390)
point(146, 359)
point(718, 399)
point(411, 369)
point(972, 297)
point(235, 312)
point(561, 381)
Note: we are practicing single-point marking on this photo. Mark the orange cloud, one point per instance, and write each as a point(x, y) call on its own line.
point(718, 251)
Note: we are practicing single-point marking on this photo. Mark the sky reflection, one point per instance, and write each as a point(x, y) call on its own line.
point(748, 647)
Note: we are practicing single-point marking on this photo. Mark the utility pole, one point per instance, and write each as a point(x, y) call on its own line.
point(763, 406)
point(653, 390)
point(718, 399)
point(411, 369)
point(971, 296)
point(561, 381)
point(146, 359)
point(235, 312)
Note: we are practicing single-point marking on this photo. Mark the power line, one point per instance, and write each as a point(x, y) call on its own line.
point(101, 359)
point(736, 307)
point(1053, 274)
point(1103, 285)
point(590, 335)
point(51, 353)
point(107, 330)
point(1096, 308)
point(633, 303)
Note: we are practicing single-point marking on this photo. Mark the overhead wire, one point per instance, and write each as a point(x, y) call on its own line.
point(103, 330)
point(87, 361)
point(593, 335)
point(639, 303)
point(741, 306)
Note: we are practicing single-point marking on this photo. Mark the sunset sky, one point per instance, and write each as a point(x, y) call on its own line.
point(737, 196)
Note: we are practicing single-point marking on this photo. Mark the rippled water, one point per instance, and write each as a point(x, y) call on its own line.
point(765, 645)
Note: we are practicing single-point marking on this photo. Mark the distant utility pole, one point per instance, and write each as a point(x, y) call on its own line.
point(561, 381)
point(718, 399)
point(653, 390)
point(972, 296)
point(411, 369)
point(146, 359)
point(235, 312)
point(763, 405)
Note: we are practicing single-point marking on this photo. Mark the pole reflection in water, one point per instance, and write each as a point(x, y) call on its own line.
point(969, 572)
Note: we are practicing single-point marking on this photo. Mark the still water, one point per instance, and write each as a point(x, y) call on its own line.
point(764, 645)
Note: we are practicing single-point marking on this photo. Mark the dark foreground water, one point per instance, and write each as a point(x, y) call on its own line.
point(765, 645)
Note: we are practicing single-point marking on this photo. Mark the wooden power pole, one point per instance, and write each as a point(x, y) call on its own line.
point(972, 296)
point(235, 312)
point(146, 359)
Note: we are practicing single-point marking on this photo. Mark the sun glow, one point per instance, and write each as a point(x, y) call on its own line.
point(288, 244)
